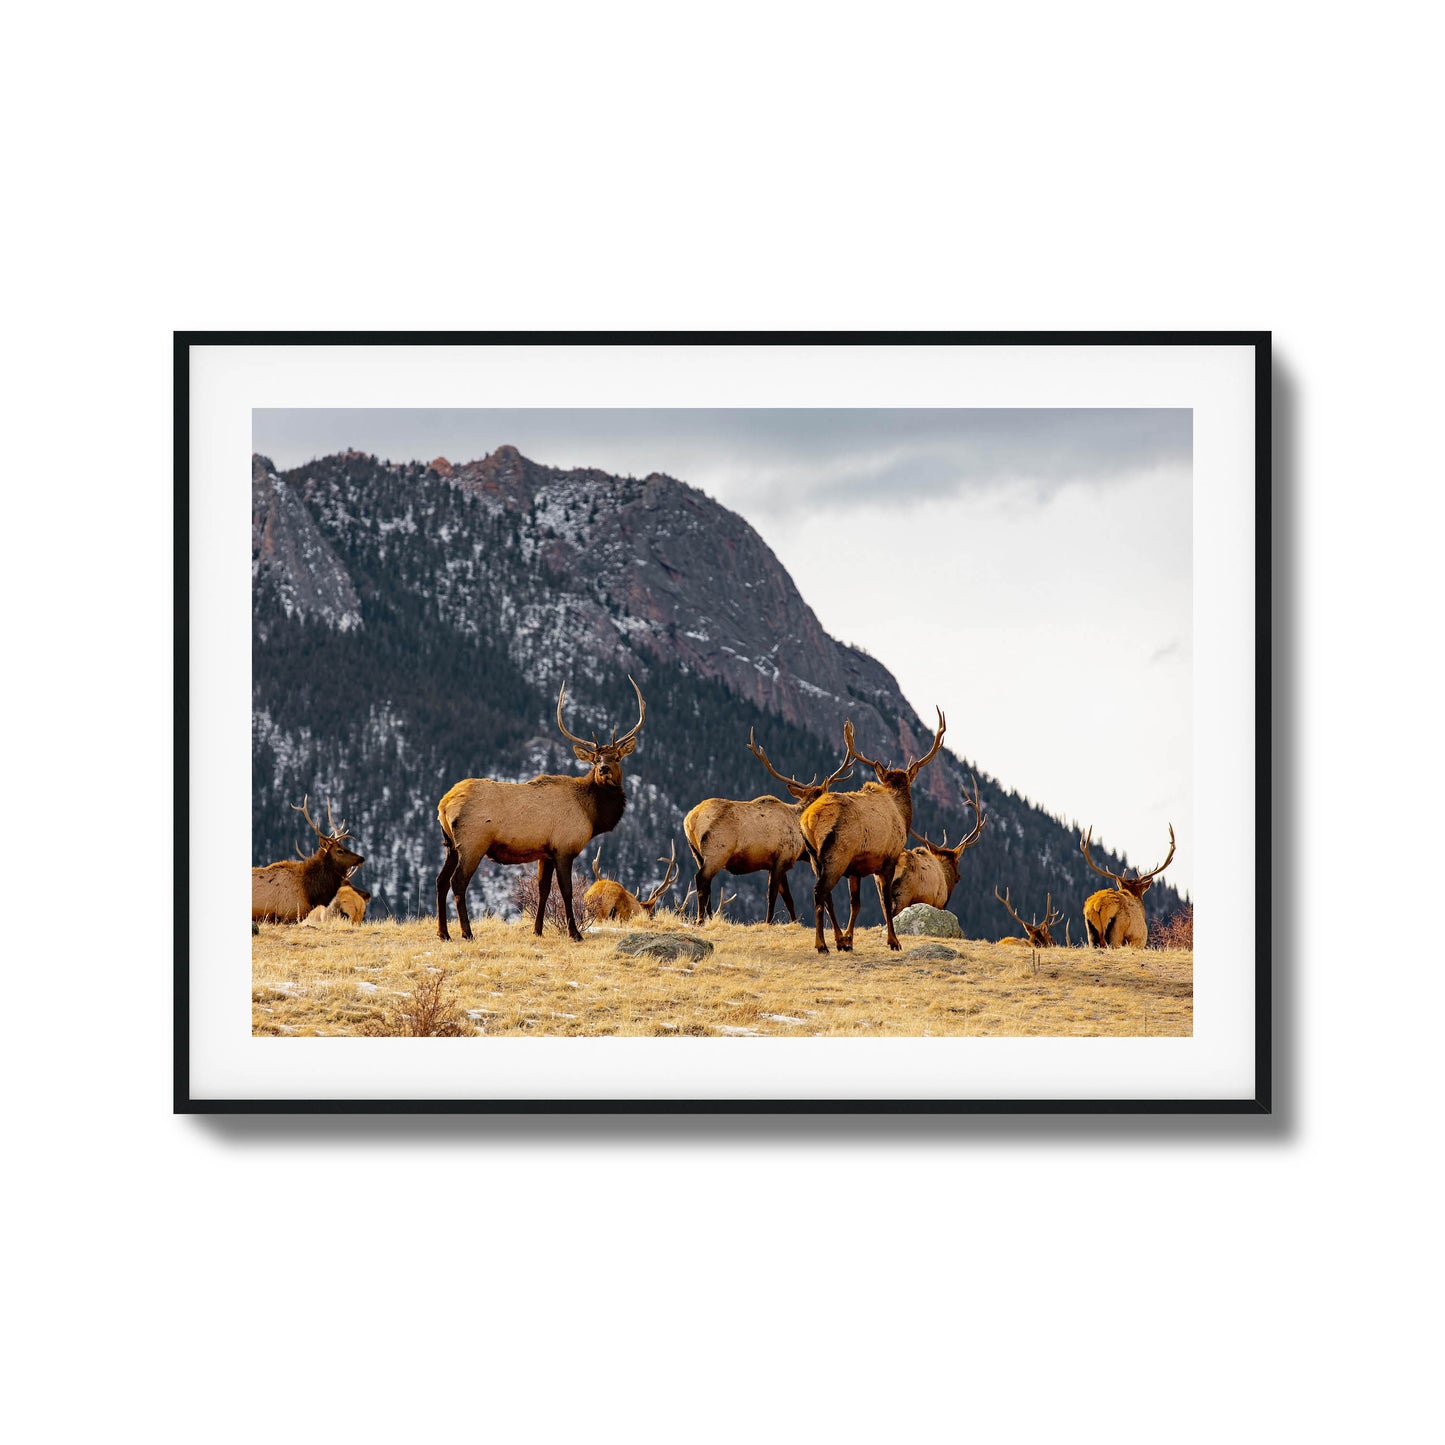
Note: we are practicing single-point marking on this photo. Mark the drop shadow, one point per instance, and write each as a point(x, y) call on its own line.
point(792, 1131)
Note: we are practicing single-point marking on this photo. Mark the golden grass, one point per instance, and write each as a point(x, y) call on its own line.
point(399, 978)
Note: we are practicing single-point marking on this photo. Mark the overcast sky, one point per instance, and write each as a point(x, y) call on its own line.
point(1029, 570)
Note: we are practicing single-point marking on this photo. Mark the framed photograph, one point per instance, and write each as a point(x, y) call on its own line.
point(725, 722)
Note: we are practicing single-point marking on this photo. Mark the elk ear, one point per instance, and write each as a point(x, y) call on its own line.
point(585, 754)
point(803, 793)
point(626, 746)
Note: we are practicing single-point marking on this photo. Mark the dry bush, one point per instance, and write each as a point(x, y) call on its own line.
point(1178, 932)
point(424, 1013)
point(524, 895)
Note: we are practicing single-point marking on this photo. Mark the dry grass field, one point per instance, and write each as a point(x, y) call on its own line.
point(397, 978)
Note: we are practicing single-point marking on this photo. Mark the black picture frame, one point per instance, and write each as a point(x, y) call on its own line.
point(185, 1101)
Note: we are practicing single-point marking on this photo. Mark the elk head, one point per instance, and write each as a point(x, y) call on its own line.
point(896, 780)
point(810, 791)
point(605, 758)
point(1138, 885)
point(949, 856)
point(330, 845)
point(1038, 933)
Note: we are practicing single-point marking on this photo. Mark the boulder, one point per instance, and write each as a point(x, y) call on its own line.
point(929, 922)
point(664, 947)
point(931, 951)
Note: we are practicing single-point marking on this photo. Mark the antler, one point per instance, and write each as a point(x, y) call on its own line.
point(1003, 898)
point(562, 727)
point(641, 715)
point(1140, 876)
point(338, 830)
point(762, 757)
point(596, 863)
point(977, 807)
point(668, 878)
point(1050, 917)
point(1102, 872)
point(853, 753)
point(915, 768)
point(305, 811)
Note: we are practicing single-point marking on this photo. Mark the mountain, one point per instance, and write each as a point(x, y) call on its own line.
point(412, 623)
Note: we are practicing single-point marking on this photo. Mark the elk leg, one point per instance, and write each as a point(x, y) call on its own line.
point(703, 884)
point(1093, 934)
point(837, 932)
point(854, 884)
point(787, 896)
point(772, 897)
point(460, 879)
point(886, 889)
point(545, 868)
point(822, 898)
point(564, 883)
point(444, 883)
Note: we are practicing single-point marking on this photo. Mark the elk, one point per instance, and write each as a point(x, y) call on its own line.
point(728, 835)
point(608, 900)
point(287, 891)
point(547, 821)
point(1115, 916)
point(929, 874)
point(855, 835)
point(1038, 933)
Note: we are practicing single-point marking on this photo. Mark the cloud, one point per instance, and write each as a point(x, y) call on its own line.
point(791, 457)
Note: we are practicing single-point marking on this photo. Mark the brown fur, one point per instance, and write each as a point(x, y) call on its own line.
point(862, 834)
point(608, 900)
point(929, 874)
point(1114, 917)
point(547, 821)
point(287, 891)
point(759, 835)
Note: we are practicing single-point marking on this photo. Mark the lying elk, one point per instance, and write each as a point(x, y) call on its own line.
point(855, 835)
point(728, 835)
point(289, 890)
point(610, 901)
point(929, 874)
point(1038, 933)
point(1115, 916)
point(348, 907)
point(547, 821)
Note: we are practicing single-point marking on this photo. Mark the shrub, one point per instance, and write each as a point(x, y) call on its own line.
point(524, 895)
point(424, 1013)
point(1177, 932)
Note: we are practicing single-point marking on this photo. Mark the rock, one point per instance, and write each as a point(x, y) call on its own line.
point(930, 922)
point(931, 951)
point(664, 946)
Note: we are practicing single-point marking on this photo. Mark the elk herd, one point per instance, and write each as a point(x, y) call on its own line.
point(551, 819)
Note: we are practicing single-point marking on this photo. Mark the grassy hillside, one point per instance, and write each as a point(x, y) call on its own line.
point(396, 978)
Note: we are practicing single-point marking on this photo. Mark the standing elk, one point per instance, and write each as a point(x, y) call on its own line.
point(547, 821)
point(728, 835)
point(855, 835)
point(610, 901)
point(1038, 933)
point(287, 891)
point(929, 874)
point(1115, 916)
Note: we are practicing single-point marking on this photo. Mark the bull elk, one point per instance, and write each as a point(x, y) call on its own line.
point(1115, 916)
point(547, 821)
point(287, 891)
point(929, 874)
point(1038, 935)
point(609, 900)
point(728, 835)
point(862, 834)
